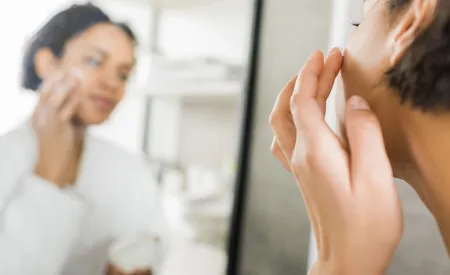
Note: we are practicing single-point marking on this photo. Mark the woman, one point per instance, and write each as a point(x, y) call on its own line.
point(66, 196)
point(395, 123)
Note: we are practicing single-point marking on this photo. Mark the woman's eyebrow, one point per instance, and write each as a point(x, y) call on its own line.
point(98, 50)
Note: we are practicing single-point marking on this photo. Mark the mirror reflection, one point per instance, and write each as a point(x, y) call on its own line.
point(120, 127)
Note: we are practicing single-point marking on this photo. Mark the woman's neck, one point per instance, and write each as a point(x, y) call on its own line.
point(428, 171)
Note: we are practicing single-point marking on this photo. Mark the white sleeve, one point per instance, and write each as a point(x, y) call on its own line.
point(39, 223)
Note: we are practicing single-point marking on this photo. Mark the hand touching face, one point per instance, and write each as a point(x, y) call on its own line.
point(350, 197)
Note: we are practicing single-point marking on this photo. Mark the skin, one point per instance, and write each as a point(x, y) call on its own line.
point(347, 195)
point(112, 270)
point(80, 88)
point(414, 140)
point(103, 58)
point(351, 174)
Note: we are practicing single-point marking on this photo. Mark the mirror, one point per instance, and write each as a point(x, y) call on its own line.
point(183, 111)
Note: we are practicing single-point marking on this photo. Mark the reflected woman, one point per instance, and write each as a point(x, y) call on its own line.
point(66, 196)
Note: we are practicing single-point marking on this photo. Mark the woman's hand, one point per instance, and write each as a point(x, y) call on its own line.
point(59, 138)
point(112, 270)
point(350, 197)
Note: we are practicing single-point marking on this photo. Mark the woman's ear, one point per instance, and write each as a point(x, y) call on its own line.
point(45, 62)
point(417, 17)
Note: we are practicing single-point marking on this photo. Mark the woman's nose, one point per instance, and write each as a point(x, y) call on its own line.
point(110, 80)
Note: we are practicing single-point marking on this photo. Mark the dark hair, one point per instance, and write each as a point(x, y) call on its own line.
point(58, 31)
point(422, 75)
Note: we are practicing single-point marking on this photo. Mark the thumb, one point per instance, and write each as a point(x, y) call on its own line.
point(369, 160)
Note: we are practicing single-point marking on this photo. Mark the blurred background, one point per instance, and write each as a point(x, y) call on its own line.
point(184, 110)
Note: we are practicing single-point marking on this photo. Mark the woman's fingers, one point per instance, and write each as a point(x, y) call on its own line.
point(278, 153)
point(300, 107)
point(112, 270)
point(70, 107)
point(298, 122)
point(282, 125)
point(311, 129)
point(284, 97)
point(44, 110)
point(61, 92)
point(370, 163)
point(47, 87)
point(59, 97)
point(333, 64)
point(303, 104)
point(142, 272)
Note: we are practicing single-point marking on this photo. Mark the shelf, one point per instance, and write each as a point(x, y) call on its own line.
point(178, 4)
point(171, 4)
point(188, 79)
point(198, 89)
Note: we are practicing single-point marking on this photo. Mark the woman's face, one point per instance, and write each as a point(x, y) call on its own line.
point(366, 59)
point(104, 57)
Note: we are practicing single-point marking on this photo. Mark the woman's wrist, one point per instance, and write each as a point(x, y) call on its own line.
point(42, 171)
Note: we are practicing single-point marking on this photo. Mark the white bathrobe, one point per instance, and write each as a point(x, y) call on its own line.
point(45, 230)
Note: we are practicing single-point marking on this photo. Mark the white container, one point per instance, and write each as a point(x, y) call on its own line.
point(134, 252)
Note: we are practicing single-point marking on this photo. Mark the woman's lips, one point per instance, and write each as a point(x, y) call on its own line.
point(103, 103)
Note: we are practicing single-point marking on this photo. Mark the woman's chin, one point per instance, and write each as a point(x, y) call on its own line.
point(92, 118)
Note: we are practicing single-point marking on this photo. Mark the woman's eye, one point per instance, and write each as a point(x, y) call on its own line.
point(94, 62)
point(356, 24)
point(123, 76)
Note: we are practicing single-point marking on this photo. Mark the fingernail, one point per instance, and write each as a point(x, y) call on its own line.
point(335, 49)
point(358, 103)
point(314, 55)
point(332, 50)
